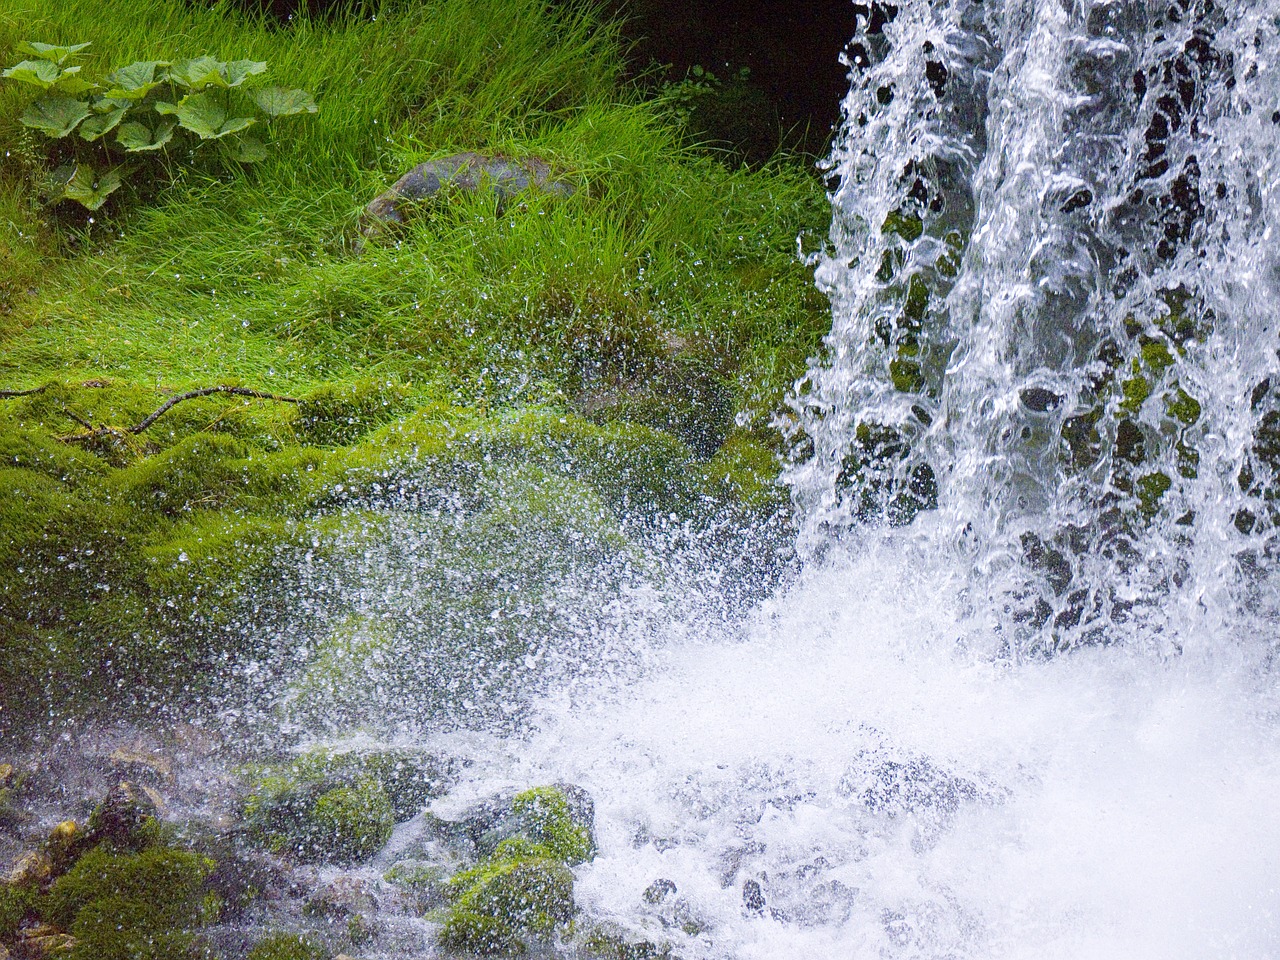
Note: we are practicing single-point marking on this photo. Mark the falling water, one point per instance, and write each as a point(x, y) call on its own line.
point(1018, 698)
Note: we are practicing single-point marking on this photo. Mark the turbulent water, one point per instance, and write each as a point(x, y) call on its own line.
point(1019, 698)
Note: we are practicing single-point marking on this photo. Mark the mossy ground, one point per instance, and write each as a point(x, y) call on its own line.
point(601, 346)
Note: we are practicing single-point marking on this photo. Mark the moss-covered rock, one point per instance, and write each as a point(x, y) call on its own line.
point(167, 884)
point(16, 905)
point(322, 819)
point(522, 888)
point(501, 905)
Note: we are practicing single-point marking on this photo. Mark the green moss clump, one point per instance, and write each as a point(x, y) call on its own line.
point(546, 820)
point(501, 904)
point(341, 414)
point(318, 820)
point(15, 906)
point(354, 822)
point(115, 928)
point(287, 946)
point(745, 471)
point(136, 906)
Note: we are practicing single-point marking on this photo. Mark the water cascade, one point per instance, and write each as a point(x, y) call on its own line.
point(1016, 698)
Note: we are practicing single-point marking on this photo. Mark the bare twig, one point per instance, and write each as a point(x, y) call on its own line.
point(163, 409)
point(5, 394)
point(204, 392)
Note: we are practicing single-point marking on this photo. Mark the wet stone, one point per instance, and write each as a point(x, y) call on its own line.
point(343, 897)
point(659, 890)
point(141, 766)
point(33, 869)
point(753, 896)
point(124, 816)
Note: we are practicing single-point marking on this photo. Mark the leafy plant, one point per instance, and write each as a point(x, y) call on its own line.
point(146, 111)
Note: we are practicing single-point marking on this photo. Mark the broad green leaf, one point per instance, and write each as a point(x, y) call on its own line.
point(246, 149)
point(101, 123)
point(279, 102)
point(50, 51)
point(166, 109)
point(69, 83)
point(38, 73)
point(91, 191)
point(139, 138)
point(134, 81)
point(207, 118)
point(199, 73)
point(55, 116)
point(237, 71)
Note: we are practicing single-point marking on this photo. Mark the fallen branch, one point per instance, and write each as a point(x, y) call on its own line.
point(204, 392)
point(5, 394)
point(165, 408)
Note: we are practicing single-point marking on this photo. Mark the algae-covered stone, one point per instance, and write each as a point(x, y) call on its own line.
point(353, 823)
point(499, 906)
point(522, 889)
point(322, 819)
point(126, 818)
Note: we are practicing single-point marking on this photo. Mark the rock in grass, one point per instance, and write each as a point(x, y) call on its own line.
point(465, 172)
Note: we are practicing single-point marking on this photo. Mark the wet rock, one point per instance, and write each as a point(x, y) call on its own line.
point(33, 869)
point(146, 767)
point(45, 940)
point(326, 820)
point(559, 817)
point(7, 775)
point(753, 896)
point(422, 882)
point(65, 842)
point(4, 952)
point(659, 890)
point(127, 817)
point(342, 898)
point(611, 942)
point(463, 172)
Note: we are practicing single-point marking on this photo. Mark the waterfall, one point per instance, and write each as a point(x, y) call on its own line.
point(1020, 701)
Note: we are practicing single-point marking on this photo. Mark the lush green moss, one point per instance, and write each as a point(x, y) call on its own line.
point(15, 906)
point(745, 471)
point(320, 819)
point(501, 904)
point(287, 946)
point(166, 885)
point(117, 928)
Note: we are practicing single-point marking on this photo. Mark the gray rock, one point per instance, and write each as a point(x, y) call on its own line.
point(466, 172)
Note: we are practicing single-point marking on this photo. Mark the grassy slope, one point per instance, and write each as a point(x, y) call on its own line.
point(666, 279)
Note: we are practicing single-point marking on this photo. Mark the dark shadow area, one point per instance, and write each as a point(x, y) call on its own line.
point(749, 76)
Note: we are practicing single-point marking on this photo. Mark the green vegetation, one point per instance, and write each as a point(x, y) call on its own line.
point(612, 355)
point(159, 112)
point(287, 946)
point(523, 890)
point(318, 817)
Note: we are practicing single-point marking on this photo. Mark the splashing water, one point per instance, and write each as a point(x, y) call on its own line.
point(1019, 701)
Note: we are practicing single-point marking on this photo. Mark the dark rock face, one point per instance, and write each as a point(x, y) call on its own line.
point(466, 172)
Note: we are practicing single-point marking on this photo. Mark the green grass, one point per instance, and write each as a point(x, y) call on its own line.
point(668, 280)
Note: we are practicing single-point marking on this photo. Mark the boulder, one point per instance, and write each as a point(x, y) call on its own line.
point(464, 172)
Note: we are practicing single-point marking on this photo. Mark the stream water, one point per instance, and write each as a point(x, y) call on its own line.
point(1018, 697)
